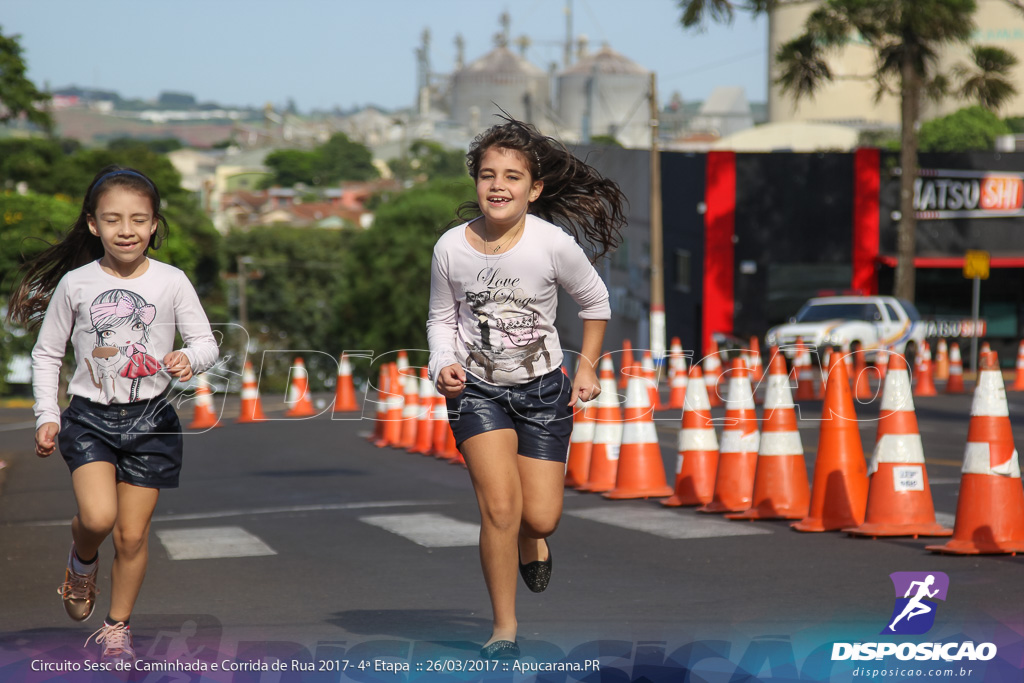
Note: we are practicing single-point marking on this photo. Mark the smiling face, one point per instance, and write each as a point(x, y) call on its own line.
point(124, 221)
point(505, 188)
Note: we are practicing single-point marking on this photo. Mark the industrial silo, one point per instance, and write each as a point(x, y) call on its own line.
point(501, 78)
point(605, 93)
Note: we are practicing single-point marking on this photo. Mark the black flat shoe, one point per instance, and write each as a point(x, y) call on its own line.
point(537, 574)
point(500, 649)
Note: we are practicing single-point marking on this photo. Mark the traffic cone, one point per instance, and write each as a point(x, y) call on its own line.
point(675, 358)
point(252, 408)
point(345, 391)
point(823, 366)
point(754, 365)
point(651, 380)
point(985, 348)
point(627, 362)
point(203, 416)
point(941, 369)
point(955, 383)
point(925, 384)
point(411, 409)
point(990, 508)
point(839, 491)
point(737, 455)
point(781, 490)
point(383, 380)
point(882, 363)
point(604, 453)
point(581, 444)
point(641, 472)
point(899, 496)
point(444, 439)
point(713, 374)
point(677, 385)
point(395, 401)
point(697, 463)
point(425, 426)
point(1018, 382)
point(861, 385)
point(804, 373)
point(298, 394)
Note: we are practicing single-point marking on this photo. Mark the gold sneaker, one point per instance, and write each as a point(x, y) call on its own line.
point(116, 640)
point(78, 590)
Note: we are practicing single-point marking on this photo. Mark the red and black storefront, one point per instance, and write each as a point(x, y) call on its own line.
point(750, 237)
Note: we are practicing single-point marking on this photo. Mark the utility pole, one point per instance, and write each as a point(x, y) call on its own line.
point(657, 258)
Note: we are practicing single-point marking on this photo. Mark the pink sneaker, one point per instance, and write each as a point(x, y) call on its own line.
point(117, 643)
point(78, 590)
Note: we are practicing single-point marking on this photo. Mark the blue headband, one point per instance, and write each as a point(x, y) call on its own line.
point(103, 178)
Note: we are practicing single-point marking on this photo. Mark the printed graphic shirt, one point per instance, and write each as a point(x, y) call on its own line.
point(495, 315)
point(120, 330)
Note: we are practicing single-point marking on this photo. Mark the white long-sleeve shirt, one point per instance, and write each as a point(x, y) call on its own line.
point(495, 314)
point(120, 330)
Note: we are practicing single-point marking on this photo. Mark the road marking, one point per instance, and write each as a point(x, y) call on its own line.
point(212, 543)
point(667, 523)
point(218, 514)
point(941, 481)
point(428, 529)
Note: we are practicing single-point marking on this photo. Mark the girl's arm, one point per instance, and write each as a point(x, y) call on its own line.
point(585, 385)
point(48, 355)
point(442, 328)
point(201, 351)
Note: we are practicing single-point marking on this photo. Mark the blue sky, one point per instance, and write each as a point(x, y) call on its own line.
point(324, 53)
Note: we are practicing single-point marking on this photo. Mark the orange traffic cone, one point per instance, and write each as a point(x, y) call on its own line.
point(604, 453)
point(383, 379)
point(627, 362)
point(425, 426)
point(677, 382)
point(1018, 382)
point(411, 409)
point(345, 392)
point(990, 509)
point(839, 494)
point(955, 383)
point(861, 385)
point(203, 417)
point(395, 401)
point(899, 497)
point(804, 373)
point(985, 348)
point(252, 409)
point(581, 444)
point(641, 472)
point(713, 374)
point(298, 394)
point(754, 365)
point(697, 463)
point(925, 383)
point(882, 363)
point(781, 490)
point(651, 380)
point(941, 369)
point(444, 439)
point(823, 366)
point(737, 455)
point(675, 356)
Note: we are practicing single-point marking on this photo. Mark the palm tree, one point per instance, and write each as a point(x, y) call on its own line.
point(989, 81)
point(905, 36)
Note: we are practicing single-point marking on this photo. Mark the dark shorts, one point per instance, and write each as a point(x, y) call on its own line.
point(538, 411)
point(141, 440)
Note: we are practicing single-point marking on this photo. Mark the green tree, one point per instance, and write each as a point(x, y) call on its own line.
point(290, 167)
point(987, 80)
point(19, 95)
point(968, 130)
point(342, 159)
point(906, 36)
point(427, 159)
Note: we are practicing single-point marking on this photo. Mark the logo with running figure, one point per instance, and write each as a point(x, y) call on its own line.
point(914, 612)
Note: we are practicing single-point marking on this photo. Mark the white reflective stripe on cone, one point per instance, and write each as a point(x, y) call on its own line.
point(735, 441)
point(639, 433)
point(781, 443)
point(897, 448)
point(698, 439)
point(990, 396)
point(976, 461)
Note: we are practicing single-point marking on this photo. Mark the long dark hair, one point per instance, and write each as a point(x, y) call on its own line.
point(575, 195)
point(39, 277)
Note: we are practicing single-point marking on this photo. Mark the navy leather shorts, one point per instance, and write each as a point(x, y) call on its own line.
point(141, 440)
point(538, 411)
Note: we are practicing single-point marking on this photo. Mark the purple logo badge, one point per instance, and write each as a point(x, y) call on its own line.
point(914, 612)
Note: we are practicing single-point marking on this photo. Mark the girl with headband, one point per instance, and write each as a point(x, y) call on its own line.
point(119, 435)
point(494, 351)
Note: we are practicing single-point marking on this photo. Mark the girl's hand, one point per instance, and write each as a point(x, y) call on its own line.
point(45, 444)
point(451, 380)
point(177, 365)
point(585, 386)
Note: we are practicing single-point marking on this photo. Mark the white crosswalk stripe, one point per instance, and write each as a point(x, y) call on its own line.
point(668, 523)
point(428, 529)
point(211, 543)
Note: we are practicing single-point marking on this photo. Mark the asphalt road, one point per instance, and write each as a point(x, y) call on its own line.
point(351, 553)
